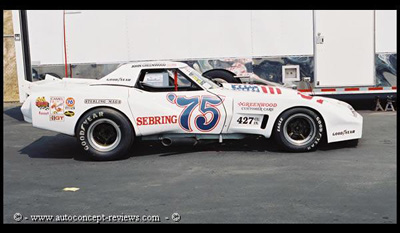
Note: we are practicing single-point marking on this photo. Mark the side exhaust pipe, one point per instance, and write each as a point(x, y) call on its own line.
point(168, 141)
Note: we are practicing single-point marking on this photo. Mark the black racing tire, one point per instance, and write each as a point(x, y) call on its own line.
point(218, 76)
point(105, 134)
point(299, 130)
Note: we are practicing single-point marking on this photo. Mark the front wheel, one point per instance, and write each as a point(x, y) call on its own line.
point(299, 130)
point(105, 134)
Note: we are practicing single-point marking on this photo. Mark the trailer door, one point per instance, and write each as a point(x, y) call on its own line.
point(344, 48)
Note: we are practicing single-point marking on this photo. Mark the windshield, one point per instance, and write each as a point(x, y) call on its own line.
point(200, 79)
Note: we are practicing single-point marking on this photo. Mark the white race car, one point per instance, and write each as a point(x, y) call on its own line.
point(171, 102)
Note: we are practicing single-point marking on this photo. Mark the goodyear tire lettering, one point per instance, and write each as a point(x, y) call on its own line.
point(288, 145)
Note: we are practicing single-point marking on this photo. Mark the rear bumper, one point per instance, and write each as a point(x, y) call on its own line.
point(26, 110)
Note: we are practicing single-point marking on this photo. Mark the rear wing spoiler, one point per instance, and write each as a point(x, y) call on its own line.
point(27, 86)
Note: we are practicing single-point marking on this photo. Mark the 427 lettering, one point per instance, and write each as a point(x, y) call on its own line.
point(247, 120)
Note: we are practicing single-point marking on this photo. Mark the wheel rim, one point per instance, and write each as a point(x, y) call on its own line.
point(299, 129)
point(104, 135)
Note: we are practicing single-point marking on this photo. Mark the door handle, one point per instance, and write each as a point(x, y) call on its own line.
point(319, 39)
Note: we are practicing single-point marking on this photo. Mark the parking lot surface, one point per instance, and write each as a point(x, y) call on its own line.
point(247, 181)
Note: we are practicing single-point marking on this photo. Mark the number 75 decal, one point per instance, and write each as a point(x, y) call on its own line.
point(205, 104)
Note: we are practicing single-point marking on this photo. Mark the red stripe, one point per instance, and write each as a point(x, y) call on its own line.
point(394, 88)
point(271, 90)
point(329, 89)
point(352, 89)
point(264, 89)
point(278, 91)
point(304, 90)
point(375, 88)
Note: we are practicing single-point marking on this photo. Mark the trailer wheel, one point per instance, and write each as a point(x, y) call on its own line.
point(105, 134)
point(221, 76)
point(298, 130)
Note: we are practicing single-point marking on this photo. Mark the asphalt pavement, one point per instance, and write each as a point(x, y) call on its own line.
point(247, 181)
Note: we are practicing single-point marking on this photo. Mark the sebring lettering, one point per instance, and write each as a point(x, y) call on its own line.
point(156, 120)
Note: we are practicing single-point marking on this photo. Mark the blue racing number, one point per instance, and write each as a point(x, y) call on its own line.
point(188, 104)
point(208, 106)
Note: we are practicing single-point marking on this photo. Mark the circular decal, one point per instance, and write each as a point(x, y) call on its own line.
point(70, 102)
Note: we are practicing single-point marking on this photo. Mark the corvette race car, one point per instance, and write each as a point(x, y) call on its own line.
point(171, 102)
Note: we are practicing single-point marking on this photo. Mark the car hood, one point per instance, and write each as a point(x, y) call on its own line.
point(259, 92)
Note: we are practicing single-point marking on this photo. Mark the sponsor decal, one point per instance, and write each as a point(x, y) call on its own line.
point(248, 120)
point(70, 102)
point(196, 79)
point(102, 101)
point(43, 105)
point(56, 108)
point(119, 79)
point(148, 65)
point(157, 120)
point(56, 118)
point(343, 133)
point(241, 87)
point(256, 88)
point(257, 106)
point(69, 113)
point(208, 118)
point(271, 90)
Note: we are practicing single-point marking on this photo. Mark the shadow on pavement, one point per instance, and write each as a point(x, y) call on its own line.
point(66, 147)
point(59, 146)
point(249, 144)
point(336, 145)
point(15, 113)
point(63, 146)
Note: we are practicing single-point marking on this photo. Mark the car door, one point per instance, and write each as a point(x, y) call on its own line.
point(168, 101)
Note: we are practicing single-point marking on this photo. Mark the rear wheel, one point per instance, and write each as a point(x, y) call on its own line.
point(105, 134)
point(299, 130)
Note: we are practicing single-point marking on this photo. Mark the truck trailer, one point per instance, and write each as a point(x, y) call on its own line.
point(348, 55)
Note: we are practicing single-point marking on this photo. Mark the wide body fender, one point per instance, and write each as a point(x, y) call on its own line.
point(341, 121)
point(60, 110)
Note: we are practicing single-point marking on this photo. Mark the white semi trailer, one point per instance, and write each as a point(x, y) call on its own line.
point(349, 55)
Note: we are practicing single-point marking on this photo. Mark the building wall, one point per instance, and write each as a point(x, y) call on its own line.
point(10, 79)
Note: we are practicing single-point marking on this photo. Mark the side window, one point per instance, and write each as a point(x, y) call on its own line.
point(156, 79)
point(165, 80)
